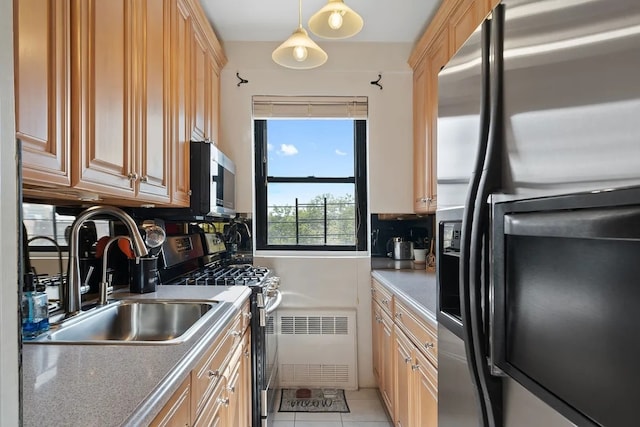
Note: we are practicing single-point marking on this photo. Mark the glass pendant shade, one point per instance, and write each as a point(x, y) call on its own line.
point(336, 20)
point(299, 52)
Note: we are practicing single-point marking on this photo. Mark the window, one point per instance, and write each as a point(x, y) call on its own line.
point(43, 220)
point(310, 183)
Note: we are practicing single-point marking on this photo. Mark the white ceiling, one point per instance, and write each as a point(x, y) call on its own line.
point(275, 20)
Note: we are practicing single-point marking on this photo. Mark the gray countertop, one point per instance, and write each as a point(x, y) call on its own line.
point(416, 288)
point(114, 385)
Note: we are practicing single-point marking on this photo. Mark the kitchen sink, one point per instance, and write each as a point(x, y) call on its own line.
point(134, 322)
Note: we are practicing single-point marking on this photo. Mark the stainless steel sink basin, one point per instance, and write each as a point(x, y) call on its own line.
point(134, 322)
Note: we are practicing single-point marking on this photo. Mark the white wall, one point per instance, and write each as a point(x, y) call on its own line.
point(326, 282)
point(320, 281)
point(9, 371)
point(350, 69)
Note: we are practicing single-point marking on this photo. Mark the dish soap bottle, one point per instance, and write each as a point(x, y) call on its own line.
point(35, 309)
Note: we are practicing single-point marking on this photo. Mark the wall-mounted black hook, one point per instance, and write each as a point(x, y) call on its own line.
point(377, 82)
point(242, 81)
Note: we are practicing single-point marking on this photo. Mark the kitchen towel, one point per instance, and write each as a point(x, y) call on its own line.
point(313, 400)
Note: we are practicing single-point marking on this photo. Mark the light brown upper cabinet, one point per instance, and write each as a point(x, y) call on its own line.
point(105, 100)
point(155, 113)
point(180, 101)
point(450, 27)
point(205, 90)
point(198, 89)
point(422, 183)
point(425, 124)
point(212, 116)
point(121, 81)
point(464, 19)
point(42, 90)
point(103, 107)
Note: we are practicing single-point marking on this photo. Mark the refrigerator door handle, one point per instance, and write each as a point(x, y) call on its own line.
point(490, 181)
point(469, 254)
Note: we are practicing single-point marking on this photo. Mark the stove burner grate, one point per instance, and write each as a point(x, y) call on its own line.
point(232, 275)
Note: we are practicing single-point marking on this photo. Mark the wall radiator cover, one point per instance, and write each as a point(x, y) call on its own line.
point(318, 348)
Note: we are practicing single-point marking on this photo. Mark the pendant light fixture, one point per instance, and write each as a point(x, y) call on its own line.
point(335, 20)
point(299, 51)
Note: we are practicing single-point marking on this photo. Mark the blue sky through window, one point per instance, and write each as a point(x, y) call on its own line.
point(309, 147)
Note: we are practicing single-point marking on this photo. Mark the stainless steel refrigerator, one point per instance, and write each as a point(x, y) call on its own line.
point(538, 221)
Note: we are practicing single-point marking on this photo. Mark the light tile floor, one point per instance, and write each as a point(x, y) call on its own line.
point(365, 406)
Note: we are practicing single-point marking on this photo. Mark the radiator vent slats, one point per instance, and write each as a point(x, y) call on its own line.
point(314, 325)
point(317, 348)
point(314, 374)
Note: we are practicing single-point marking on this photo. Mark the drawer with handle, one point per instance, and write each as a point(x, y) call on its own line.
point(382, 296)
point(423, 335)
point(210, 370)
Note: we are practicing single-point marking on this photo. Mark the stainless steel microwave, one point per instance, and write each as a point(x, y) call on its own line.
point(213, 187)
point(212, 181)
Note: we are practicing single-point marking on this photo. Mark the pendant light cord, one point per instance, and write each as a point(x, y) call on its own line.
point(300, 14)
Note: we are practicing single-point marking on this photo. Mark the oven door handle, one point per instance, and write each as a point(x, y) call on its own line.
point(273, 305)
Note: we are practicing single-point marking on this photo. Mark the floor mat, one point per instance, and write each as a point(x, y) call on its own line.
point(313, 400)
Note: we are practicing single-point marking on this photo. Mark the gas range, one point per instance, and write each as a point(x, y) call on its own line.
point(200, 260)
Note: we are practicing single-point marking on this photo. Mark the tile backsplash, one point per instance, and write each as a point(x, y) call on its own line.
point(418, 229)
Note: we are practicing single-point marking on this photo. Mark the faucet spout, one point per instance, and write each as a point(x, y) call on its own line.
point(72, 303)
point(58, 249)
point(104, 284)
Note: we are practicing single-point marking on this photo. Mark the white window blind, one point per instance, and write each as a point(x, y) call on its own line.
point(265, 107)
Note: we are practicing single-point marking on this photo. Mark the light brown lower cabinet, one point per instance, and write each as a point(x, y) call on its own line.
point(217, 392)
point(245, 411)
point(214, 411)
point(403, 379)
point(404, 363)
point(383, 353)
point(425, 391)
point(177, 411)
point(416, 386)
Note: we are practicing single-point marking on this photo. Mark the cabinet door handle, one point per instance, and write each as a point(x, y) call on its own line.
point(373, 291)
point(385, 301)
point(214, 374)
point(429, 345)
point(407, 359)
point(144, 179)
point(399, 316)
point(247, 315)
point(225, 402)
point(415, 367)
point(235, 333)
point(231, 388)
point(247, 353)
point(132, 176)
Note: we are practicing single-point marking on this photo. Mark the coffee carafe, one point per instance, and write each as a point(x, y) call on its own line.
point(399, 248)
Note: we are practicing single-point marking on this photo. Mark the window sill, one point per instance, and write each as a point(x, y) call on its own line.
point(311, 254)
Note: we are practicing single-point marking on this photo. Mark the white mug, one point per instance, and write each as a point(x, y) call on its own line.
point(419, 255)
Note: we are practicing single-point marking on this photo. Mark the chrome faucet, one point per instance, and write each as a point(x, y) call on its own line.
point(71, 302)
